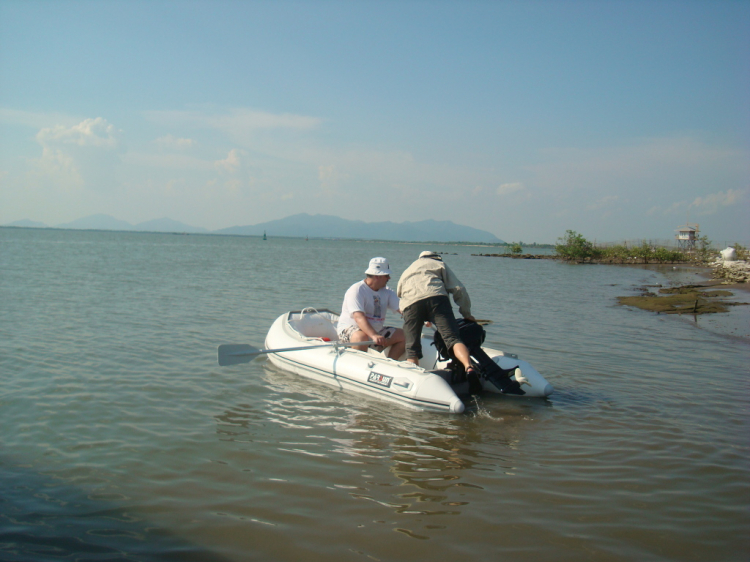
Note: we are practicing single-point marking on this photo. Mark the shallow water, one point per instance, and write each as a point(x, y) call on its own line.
point(123, 440)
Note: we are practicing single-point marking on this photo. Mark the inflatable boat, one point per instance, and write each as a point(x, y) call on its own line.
point(305, 342)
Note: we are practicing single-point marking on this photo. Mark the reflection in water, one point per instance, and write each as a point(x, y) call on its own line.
point(428, 462)
point(428, 454)
point(234, 424)
point(120, 400)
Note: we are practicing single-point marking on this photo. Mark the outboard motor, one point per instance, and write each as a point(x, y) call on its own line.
point(472, 335)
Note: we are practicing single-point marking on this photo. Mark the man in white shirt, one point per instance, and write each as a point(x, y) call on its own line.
point(364, 309)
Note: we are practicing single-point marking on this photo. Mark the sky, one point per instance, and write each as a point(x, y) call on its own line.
point(618, 120)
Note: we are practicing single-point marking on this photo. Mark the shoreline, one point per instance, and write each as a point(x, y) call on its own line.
point(714, 302)
point(710, 304)
point(717, 273)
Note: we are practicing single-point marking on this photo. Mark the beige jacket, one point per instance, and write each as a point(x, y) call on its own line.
point(428, 277)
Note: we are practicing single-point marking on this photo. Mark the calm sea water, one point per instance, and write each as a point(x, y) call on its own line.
point(121, 438)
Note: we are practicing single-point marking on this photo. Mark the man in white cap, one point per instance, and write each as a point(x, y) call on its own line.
point(423, 290)
point(364, 309)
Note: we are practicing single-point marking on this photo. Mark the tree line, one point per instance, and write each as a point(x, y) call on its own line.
point(574, 247)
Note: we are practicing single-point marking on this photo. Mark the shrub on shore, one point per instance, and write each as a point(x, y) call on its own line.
point(574, 247)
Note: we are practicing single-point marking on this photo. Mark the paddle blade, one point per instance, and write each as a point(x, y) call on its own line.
point(236, 353)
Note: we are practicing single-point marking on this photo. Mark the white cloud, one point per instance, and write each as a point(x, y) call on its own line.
point(285, 155)
point(603, 202)
point(656, 178)
point(170, 141)
point(60, 167)
point(235, 120)
point(233, 185)
point(170, 160)
point(232, 163)
point(651, 164)
point(173, 186)
point(330, 177)
point(89, 132)
point(82, 155)
point(35, 120)
point(678, 207)
point(508, 188)
point(706, 204)
point(710, 204)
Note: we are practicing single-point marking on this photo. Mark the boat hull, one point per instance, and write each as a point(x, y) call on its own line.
point(372, 373)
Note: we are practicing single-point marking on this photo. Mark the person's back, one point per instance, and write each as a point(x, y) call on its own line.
point(422, 279)
point(429, 276)
point(423, 289)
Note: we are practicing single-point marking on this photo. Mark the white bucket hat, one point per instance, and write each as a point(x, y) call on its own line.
point(378, 266)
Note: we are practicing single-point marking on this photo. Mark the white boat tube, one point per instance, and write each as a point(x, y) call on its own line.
point(371, 372)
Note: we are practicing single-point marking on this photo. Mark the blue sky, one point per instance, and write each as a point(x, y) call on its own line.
point(616, 119)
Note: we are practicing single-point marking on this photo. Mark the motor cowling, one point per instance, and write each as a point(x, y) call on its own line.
point(473, 335)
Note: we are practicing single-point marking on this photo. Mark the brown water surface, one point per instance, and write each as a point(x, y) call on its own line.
point(123, 440)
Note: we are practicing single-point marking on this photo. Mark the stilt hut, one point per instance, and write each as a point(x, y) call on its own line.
point(687, 236)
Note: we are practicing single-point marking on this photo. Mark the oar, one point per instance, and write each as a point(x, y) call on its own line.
point(236, 353)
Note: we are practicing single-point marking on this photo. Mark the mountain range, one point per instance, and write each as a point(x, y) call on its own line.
point(297, 226)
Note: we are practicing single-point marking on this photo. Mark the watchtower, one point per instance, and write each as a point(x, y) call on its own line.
point(687, 236)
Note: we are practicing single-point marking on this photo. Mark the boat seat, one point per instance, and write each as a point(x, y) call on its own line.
point(318, 325)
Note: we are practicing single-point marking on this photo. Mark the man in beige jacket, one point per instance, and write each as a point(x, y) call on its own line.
point(423, 289)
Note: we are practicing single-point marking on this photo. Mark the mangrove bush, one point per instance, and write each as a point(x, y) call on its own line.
point(574, 247)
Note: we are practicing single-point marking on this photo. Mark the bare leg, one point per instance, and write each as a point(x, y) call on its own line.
point(359, 336)
point(462, 354)
point(397, 343)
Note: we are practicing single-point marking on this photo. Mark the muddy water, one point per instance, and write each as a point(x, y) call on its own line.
point(123, 440)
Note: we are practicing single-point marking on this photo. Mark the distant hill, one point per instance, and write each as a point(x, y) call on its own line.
point(326, 226)
point(107, 222)
point(97, 222)
point(167, 225)
point(299, 226)
point(26, 223)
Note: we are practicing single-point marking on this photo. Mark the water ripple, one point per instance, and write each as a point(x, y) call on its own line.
point(122, 438)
